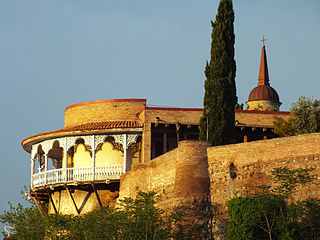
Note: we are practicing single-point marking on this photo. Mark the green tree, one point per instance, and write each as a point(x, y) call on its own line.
point(239, 106)
point(136, 219)
point(220, 98)
point(273, 213)
point(27, 222)
point(140, 219)
point(305, 118)
point(254, 217)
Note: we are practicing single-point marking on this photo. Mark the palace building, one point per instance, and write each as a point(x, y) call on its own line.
point(103, 139)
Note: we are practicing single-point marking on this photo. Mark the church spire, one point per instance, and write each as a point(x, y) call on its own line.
point(263, 73)
point(263, 97)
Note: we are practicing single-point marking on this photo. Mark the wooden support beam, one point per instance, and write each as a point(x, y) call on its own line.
point(178, 132)
point(96, 193)
point(52, 203)
point(74, 203)
point(41, 207)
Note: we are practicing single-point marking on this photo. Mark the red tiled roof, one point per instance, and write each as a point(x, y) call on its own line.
point(99, 126)
point(104, 125)
point(85, 128)
point(264, 93)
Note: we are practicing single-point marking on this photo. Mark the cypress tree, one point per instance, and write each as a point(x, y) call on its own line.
point(220, 88)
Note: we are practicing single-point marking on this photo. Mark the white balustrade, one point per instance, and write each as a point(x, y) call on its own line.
point(81, 174)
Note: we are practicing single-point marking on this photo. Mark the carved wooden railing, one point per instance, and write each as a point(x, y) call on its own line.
point(81, 174)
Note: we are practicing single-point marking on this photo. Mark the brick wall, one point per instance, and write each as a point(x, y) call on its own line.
point(254, 162)
point(262, 118)
point(192, 116)
point(179, 176)
point(183, 116)
point(103, 110)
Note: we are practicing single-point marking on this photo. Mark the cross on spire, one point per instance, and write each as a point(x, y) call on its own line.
point(263, 40)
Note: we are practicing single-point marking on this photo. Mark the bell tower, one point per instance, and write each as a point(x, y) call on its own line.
point(263, 97)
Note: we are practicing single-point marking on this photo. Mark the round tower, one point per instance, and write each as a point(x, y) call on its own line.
point(77, 169)
point(263, 97)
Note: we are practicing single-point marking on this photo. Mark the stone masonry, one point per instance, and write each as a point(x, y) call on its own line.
point(179, 176)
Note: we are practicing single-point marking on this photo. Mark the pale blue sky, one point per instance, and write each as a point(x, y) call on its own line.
point(57, 53)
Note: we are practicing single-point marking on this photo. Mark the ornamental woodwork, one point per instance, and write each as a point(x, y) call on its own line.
point(131, 138)
point(135, 147)
point(119, 139)
point(99, 139)
point(67, 142)
point(91, 142)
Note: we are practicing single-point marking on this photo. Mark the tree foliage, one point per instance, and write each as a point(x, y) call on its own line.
point(254, 217)
point(239, 106)
point(135, 219)
point(305, 118)
point(273, 213)
point(220, 88)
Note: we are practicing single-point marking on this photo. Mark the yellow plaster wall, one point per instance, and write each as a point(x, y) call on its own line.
point(82, 157)
point(263, 105)
point(86, 201)
point(108, 156)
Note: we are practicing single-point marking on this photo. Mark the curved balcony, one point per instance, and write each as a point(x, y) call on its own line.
point(81, 174)
point(83, 158)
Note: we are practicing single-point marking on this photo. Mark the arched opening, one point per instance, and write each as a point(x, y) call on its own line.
point(56, 155)
point(41, 159)
point(82, 154)
point(109, 153)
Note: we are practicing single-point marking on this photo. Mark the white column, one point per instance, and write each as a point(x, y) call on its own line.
point(93, 147)
point(66, 159)
point(125, 143)
point(45, 167)
point(32, 169)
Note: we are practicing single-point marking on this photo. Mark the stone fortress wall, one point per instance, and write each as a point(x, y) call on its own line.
point(183, 174)
point(178, 176)
point(254, 161)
